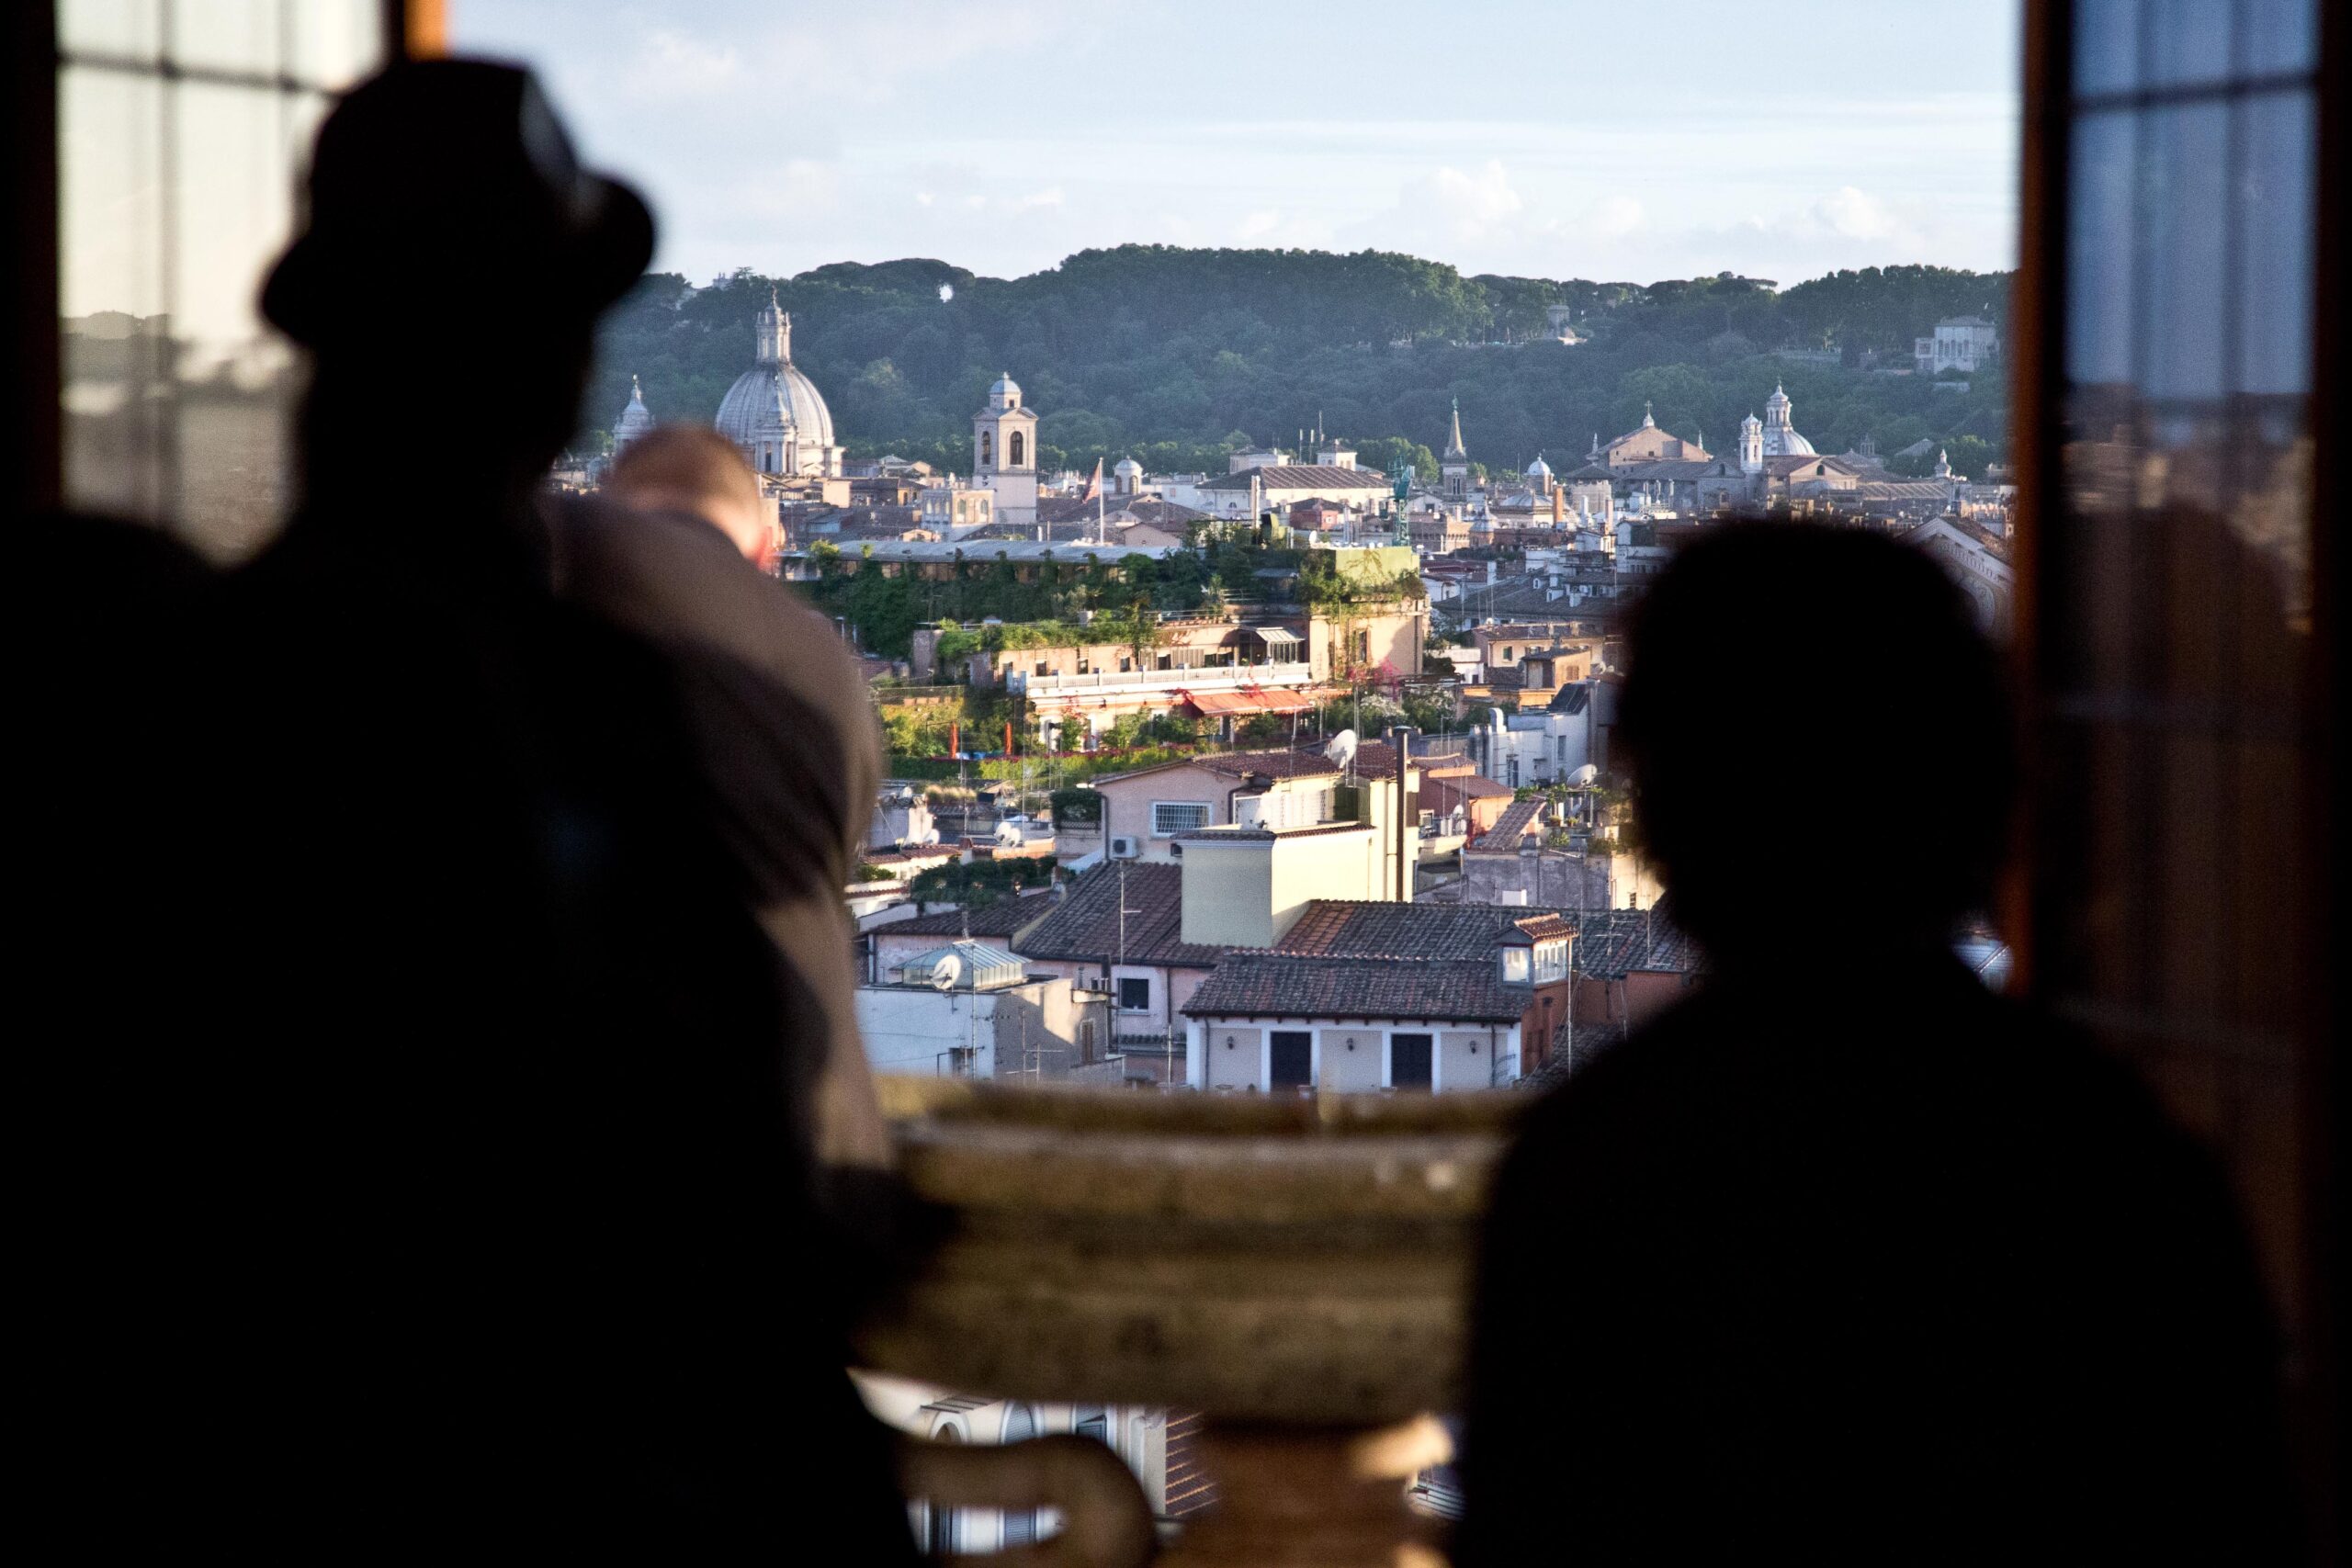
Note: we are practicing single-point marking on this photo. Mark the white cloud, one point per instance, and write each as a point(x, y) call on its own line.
point(1614, 217)
point(670, 66)
point(708, 104)
point(1855, 215)
point(1467, 205)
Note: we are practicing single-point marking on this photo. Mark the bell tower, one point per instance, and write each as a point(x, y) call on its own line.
point(1454, 468)
point(1005, 452)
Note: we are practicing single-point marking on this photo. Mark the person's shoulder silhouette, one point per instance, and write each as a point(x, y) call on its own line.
point(1844, 1256)
point(493, 1199)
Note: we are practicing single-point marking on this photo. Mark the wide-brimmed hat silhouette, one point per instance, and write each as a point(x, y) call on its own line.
point(449, 188)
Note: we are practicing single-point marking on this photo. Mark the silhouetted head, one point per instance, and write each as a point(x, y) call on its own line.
point(1819, 740)
point(693, 470)
point(452, 237)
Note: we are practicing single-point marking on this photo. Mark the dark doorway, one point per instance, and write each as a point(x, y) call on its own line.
point(1409, 1061)
point(1293, 1060)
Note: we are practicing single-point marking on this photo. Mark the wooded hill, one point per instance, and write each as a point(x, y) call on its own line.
point(1175, 356)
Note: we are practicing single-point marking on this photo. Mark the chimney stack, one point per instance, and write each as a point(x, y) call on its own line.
point(1403, 736)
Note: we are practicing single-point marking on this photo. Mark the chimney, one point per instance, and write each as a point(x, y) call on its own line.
point(1403, 736)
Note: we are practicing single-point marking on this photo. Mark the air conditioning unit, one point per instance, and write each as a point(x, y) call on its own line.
point(1122, 847)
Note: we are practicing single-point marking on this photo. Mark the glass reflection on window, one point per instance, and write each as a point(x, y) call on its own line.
point(182, 130)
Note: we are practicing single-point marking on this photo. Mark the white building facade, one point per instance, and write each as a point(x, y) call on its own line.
point(1962, 344)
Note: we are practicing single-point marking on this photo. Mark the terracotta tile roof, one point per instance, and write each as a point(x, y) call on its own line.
point(1086, 927)
point(1347, 928)
point(1442, 795)
point(1611, 943)
point(1004, 918)
point(1273, 764)
point(1519, 820)
point(1265, 985)
point(1057, 509)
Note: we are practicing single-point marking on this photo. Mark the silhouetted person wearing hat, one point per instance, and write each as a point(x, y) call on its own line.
point(486, 1226)
point(1843, 1257)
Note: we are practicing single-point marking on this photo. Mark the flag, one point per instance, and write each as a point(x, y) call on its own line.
point(1094, 486)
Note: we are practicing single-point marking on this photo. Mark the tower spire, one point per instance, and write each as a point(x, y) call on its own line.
point(773, 331)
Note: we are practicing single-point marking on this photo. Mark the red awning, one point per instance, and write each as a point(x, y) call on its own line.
point(1285, 701)
point(1219, 705)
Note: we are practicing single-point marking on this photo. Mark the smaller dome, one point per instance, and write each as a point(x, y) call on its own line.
point(636, 419)
point(1126, 466)
point(1006, 392)
point(1538, 469)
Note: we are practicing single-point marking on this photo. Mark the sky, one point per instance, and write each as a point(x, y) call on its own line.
point(1623, 141)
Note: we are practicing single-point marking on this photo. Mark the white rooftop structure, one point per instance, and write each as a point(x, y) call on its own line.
point(966, 966)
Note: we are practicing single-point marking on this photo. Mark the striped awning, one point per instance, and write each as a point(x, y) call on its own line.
point(1221, 705)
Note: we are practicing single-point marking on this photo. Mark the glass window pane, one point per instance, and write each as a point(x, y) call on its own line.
point(2182, 191)
point(2189, 41)
point(2277, 149)
point(115, 332)
point(335, 42)
point(2099, 239)
point(2278, 35)
point(132, 29)
point(229, 35)
point(2107, 46)
point(238, 150)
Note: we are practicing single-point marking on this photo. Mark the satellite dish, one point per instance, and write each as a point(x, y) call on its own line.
point(1342, 748)
point(1009, 834)
point(946, 972)
point(1584, 775)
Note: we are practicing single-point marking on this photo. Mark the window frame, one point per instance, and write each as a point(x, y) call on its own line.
point(1207, 811)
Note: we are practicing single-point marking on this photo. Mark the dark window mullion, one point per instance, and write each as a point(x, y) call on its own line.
point(2144, 98)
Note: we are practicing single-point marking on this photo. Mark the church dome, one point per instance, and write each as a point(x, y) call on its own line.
point(773, 403)
point(1780, 438)
point(1538, 469)
point(636, 419)
point(1004, 392)
point(769, 397)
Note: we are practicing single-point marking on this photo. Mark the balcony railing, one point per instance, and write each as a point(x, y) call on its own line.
point(1150, 683)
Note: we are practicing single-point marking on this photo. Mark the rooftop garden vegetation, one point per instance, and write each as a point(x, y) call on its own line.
point(976, 885)
point(1043, 604)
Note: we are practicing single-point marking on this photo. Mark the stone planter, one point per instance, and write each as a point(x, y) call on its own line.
point(1294, 1269)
